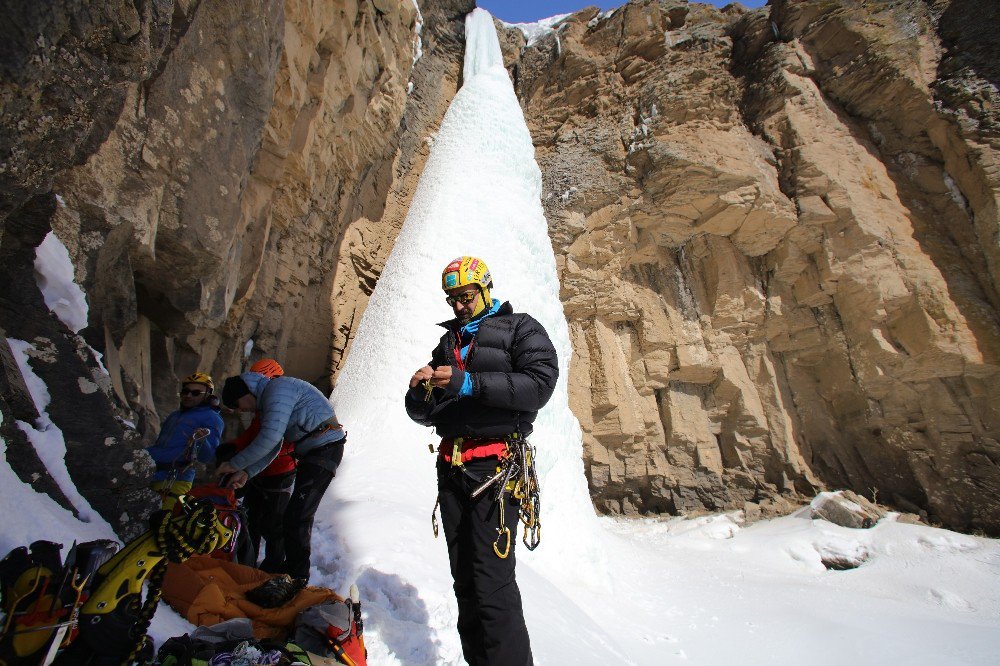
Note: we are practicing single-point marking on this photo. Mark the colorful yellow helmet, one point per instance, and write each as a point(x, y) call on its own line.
point(200, 378)
point(465, 271)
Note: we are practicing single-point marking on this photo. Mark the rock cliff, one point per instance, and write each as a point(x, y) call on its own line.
point(228, 179)
point(777, 236)
point(776, 229)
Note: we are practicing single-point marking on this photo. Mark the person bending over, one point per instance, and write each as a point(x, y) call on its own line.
point(295, 411)
point(266, 495)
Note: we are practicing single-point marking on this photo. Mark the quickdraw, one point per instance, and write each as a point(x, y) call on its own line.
point(516, 476)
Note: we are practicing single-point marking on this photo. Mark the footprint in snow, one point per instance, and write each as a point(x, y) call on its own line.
point(950, 544)
point(950, 599)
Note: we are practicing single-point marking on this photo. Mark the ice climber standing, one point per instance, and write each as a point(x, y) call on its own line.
point(491, 372)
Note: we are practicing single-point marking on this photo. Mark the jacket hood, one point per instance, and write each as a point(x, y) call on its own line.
point(256, 382)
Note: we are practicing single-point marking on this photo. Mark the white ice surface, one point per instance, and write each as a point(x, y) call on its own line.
point(28, 515)
point(418, 40)
point(536, 30)
point(54, 275)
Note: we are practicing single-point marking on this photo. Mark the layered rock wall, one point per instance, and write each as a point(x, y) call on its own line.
point(776, 233)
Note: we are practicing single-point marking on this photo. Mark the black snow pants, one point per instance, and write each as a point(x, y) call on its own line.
point(313, 475)
point(265, 499)
point(490, 619)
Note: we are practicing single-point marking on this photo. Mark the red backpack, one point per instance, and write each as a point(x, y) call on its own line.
point(333, 631)
point(231, 514)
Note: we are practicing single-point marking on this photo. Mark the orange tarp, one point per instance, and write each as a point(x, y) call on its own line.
point(207, 591)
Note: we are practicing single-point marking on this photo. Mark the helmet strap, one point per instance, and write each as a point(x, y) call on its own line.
point(486, 303)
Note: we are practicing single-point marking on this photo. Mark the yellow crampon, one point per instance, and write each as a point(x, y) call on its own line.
point(114, 620)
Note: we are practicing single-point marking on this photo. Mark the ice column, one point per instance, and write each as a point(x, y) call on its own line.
point(479, 195)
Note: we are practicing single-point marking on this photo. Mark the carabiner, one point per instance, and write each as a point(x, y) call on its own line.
point(506, 551)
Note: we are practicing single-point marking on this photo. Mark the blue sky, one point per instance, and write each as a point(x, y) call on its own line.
point(522, 11)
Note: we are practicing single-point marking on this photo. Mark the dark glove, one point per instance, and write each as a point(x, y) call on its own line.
point(274, 593)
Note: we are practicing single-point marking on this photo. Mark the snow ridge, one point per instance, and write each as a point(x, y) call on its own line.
point(537, 30)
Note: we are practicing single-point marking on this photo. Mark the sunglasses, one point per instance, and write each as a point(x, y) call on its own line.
point(465, 299)
point(194, 392)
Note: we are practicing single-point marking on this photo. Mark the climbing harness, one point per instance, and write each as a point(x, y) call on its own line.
point(515, 473)
point(516, 477)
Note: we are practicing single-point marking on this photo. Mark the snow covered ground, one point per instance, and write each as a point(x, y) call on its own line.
point(703, 591)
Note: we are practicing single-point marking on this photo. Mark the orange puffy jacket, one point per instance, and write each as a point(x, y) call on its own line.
point(206, 591)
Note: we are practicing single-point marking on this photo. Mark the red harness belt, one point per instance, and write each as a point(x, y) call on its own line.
point(472, 448)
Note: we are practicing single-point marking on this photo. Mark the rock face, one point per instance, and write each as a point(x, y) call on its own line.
point(776, 233)
point(776, 229)
point(101, 448)
point(229, 179)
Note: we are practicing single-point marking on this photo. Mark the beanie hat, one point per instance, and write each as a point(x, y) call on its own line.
point(234, 389)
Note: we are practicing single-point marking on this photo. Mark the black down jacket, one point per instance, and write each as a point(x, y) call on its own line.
point(514, 370)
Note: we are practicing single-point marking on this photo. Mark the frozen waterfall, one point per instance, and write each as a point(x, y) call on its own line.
point(479, 195)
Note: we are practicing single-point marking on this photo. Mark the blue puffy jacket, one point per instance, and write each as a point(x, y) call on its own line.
point(170, 452)
point(290, 410)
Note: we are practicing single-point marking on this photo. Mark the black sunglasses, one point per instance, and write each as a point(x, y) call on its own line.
point(194, 392)
point(464, 299)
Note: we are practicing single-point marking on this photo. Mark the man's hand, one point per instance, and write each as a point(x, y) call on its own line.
point(420, 375)
point(441, 376)
point(230, 477)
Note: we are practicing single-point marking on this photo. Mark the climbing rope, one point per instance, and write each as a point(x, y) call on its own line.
point(177, 538)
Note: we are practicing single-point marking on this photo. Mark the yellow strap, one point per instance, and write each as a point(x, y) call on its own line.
point(456, 452)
